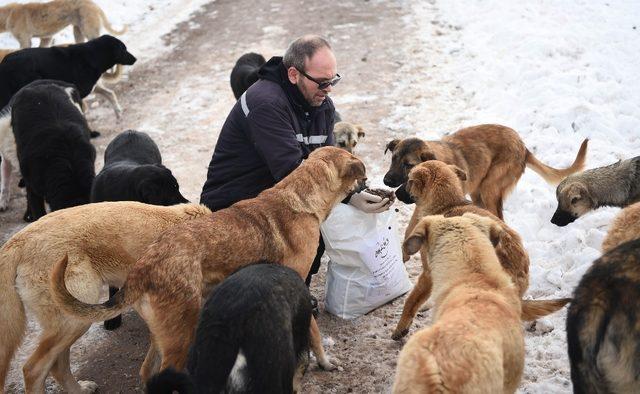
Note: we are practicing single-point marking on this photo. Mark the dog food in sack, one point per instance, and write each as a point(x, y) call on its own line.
point(365, 268)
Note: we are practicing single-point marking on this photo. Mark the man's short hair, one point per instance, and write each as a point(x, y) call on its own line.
point(301, 49)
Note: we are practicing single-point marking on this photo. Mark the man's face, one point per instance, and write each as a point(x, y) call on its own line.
point(322, 67)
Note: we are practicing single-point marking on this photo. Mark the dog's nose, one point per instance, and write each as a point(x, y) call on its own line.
point(390, 180)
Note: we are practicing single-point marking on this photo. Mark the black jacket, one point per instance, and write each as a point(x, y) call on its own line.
point(268, 133)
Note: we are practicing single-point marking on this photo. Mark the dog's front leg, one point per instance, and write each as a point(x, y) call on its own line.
point(35, 206)
point(316, 346)
point(5, 187)
point(419, 294)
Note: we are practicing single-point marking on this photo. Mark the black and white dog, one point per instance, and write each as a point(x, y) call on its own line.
point(245, 72)
point(52, 144)
point(252, 337)
point(133, 171)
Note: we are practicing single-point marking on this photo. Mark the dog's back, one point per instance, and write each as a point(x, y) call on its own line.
point(252, 335)
point(245, 72)
point(602, 324)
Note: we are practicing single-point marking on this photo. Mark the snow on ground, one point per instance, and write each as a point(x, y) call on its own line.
point(557, 72)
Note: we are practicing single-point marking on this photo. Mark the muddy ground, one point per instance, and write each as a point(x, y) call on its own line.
point(182, 96)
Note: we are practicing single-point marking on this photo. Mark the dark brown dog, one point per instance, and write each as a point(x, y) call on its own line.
point(167, 283)
point(493, 157)
point(437, 189)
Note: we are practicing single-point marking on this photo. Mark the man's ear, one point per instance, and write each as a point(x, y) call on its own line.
point(360, 131)
point(391, 145)
point(293, 75)
point(459, 172)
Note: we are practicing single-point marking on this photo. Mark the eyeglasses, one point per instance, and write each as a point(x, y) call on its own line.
point(324, 84)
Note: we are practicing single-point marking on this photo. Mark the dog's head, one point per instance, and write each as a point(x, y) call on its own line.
point(431, 229)
point(347, 135)
point(406, 154)
point(156, 185)
point(347, 172)
point(117, 50)
point(574, 200)
point(432, 180)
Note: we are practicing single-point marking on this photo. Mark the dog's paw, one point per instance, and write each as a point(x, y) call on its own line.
point(87, 386)
point(427, 306)
point(399, 333)
point(329, 364)
point(113, 324)
point(405, 257)
point(94, 134)
point(4, 204)
point(27, 217)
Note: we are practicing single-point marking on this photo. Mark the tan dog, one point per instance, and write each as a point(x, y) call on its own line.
point(476, 344)
point(347, 135)
point(625, 227)
point(43, 20)
point(103, 241)
point(282, 224)
point(493, 157)
point(437, 190)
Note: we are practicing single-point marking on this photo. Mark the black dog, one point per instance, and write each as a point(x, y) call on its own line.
point(245, 72)
point(52, 143)
point(602, 324)
point(252, 337)
point(79, 64)
point(133, 171)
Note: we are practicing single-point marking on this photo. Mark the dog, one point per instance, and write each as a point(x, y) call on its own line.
point(617, 185)
point(245, 72)
point(281, 224)
point(347, 135)
point(493, 157)
point(103, 240)
point(133, 171)
point(43, 20)
point(476, 343)
point(8, 155)
point(55, 155)
point(79, 64)
point(252, 336)
point(436, 187)
point(625, 227)
point(602, 324)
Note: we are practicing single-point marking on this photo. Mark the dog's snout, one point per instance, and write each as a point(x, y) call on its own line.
point(562, 218)
point(391, 180)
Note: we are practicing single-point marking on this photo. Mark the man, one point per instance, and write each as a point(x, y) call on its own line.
point(274, 125)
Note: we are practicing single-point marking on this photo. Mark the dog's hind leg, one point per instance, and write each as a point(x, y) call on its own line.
point(25, 41)
point(5, 186)
point(110, 96)
point(418, 296)
point(151, 363)
point(61, 369)
point(77, 35)
point(45, 42)
point(316, 346)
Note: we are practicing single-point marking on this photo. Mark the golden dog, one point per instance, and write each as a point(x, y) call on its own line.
point(43, 20)
point(625, 227)
point(476, 344)
point(493, 157)
point(437, 189)
point(103, 241)
point(347, 135)
point(281, 224)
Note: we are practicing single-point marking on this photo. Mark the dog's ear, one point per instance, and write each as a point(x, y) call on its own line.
point(459, 172)
point(391, 145)
point(417, 238)
point(355, 169)
point(495, 234)
point(426, 155)
point(360, 131)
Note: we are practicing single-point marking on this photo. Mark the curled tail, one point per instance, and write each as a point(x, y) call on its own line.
point(113, 77)
point(107, 25)
point(535, 309)
point(554, 175)
point(92, 312)
point(13, 320)
point(170, 380)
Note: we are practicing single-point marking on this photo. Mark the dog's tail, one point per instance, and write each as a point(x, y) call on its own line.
point(554, 175)
point(535, 309)
point(91, 312)
point(170, 380)
point(107, 24)
point(13, 320)
point(113, 77)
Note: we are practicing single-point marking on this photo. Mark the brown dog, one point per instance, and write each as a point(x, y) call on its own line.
point(437, 190)
point(493, 157)
point(103, 241)
point(43, 20)
point(347, 135)
point(625, 227)
point(282, 225)
point(476, 344)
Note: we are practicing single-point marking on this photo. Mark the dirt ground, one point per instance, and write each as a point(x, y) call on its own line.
point(182, 97)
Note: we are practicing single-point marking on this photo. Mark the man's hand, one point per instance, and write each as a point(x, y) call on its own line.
point(369, 203)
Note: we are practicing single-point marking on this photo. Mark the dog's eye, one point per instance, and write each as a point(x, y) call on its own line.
point(342, 144)
point(408, 166)
point(354, 143)
point(574, 200)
